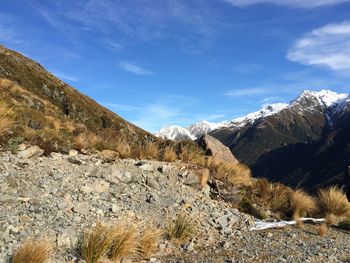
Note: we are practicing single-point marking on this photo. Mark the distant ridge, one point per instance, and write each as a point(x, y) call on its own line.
point(304, 143)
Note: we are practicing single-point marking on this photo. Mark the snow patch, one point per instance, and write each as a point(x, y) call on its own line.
point(261, 225)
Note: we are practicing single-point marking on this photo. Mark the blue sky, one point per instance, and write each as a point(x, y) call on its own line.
point(162, 62)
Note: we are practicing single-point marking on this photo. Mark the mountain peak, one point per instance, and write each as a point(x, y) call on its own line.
point(308, 100)
point(324, 97)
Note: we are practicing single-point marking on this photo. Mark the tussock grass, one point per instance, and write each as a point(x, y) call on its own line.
point(109, 242)
point(149, 150)
point(322, 230)
point(123, 148)
point(124, 242)
point(85, 141)
point(169, 154)
point(333, 201)
point(274, 196)
point(149, 240)
point(301, 203)
point(96, 243)
point(235, 173)
point(182, 228)
point(6, 120)
point(34, 251)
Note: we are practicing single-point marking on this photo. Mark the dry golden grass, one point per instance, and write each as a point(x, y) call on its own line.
point(123, 148)
point(109, 242)
point(182, 228)
point(149, 240)
point(149, 151)
point(274, 196)
point(235, 173)
point(322, 230)
point(96, 243)
point(169, 154)
point(190, 155)
point(125, 241)
point(6, 120)
point(34, 251)
point(333, 201)
point(301, 203)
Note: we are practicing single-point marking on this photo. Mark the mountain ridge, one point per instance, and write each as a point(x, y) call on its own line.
point(325, 98)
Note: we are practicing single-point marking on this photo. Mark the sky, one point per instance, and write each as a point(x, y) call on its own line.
point(177, 62)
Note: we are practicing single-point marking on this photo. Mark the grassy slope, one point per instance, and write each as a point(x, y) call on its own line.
point(42, 101)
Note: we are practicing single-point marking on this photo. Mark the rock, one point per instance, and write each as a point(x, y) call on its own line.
point(31, 152)
point(67, 239)
point(151, 182)
point(117, 176)
point(73, 152)
point(74, 161)
point(22, 147)
point(189, 247)
point(108, 155)
point(216, 149)
point(148, 167)
point(115, 208)
point(197, 179)
point(82, 208)
point(100, 186)
point(86, 189)
point(55, 155)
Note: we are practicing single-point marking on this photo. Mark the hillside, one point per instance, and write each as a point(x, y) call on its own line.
point(45, 109)
point(305, 144)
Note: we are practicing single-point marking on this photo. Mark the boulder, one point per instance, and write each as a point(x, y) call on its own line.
point(117, 176)
point(197, 179)
point(31, 152)
point(216, 149)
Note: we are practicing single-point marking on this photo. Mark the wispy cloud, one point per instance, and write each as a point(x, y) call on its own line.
point(192, 25)
point(133, 68)
point(327, 46)
point(290, 3)
point(246, 92)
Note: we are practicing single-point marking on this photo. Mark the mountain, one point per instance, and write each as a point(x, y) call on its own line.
point(175, 133)
point(193, 132)
point(303, 143)
point(51, 113)
point(306, 143)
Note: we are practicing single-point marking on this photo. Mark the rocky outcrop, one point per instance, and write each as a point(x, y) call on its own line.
point(216, 149)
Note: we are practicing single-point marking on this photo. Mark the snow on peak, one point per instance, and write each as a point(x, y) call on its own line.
point(174, 133)
point(325, 97)
point(307, 101)
point(267, 110)
point(203, 127)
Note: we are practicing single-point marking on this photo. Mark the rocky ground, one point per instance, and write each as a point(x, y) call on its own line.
point(61, 195)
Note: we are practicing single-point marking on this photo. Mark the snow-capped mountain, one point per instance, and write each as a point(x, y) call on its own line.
point(175, 133)
point(200, 128)
point(307, 101)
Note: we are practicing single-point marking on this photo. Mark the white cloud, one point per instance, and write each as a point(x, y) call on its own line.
point(130, 67)
point(246, 92)
point(327, 46)
point(290, 3)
